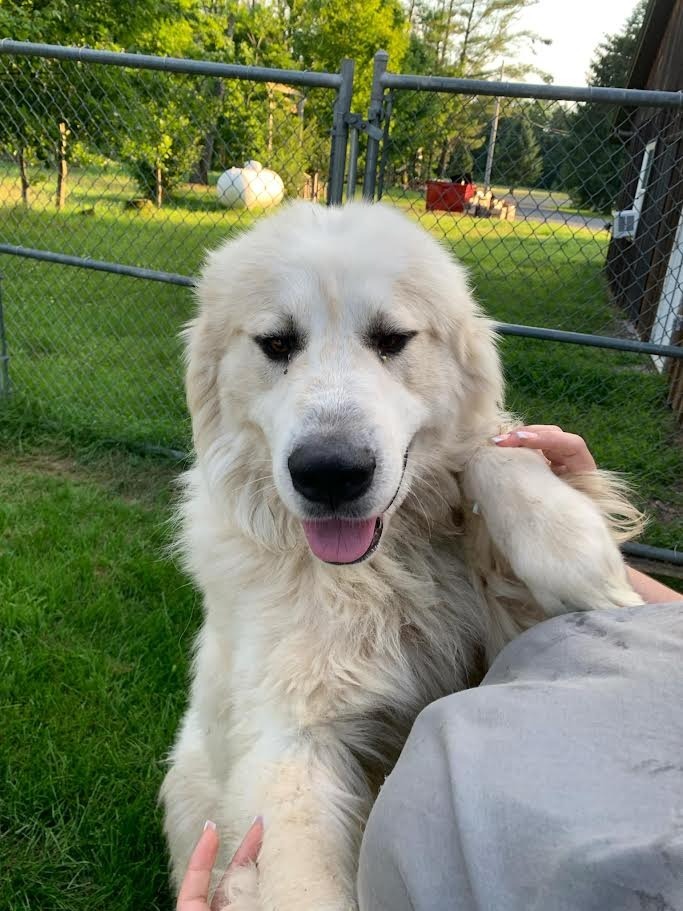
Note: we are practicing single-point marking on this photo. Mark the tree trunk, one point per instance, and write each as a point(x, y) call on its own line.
point(269, 138)
point(443, 159)
point(62, 167)
point(21, 161)
point(466, 40)
point(447, 33)
point(203, 166)
point(158, 186)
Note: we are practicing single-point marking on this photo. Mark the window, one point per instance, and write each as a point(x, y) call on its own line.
point(643, 181)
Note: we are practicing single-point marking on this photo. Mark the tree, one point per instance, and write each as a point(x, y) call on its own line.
point(323, 32)
point(469, 38)
point(250, 121)
point(45, 111)
point(518, 160)
point(594, 155)
point(465, 38)
point(162, 144)
point(549, 120)
point(462, 160)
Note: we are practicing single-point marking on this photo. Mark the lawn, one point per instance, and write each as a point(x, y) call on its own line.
point(95, 632)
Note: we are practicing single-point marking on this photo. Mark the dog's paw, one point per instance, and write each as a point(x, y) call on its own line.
point(588, 585)
point(555, 538)
point(570, 561)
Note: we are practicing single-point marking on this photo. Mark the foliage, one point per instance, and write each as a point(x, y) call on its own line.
point(468, 38)
point(431, 134)
point(323, 32)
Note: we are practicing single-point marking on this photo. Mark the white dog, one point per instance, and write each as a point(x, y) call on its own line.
point(362, 548)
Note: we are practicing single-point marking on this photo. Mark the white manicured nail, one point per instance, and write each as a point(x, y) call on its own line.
point(525, 435)
point(499, 439)
point(209, 824)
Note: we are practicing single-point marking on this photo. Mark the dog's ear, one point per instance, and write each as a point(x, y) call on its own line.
point(475, 347)
point(201, 359)
point(204, 337)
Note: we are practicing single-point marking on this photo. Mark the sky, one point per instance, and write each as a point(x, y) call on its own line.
point(575, 28)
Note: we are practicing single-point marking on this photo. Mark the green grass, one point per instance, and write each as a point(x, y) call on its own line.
point(95, 631)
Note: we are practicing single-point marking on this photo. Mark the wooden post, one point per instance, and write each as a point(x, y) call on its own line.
point(21, 161)
point(62, 167)
point(159, 186)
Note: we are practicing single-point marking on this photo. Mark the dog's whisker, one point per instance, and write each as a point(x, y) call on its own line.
point(420, 504)
point(265, 477)
point(437, 493)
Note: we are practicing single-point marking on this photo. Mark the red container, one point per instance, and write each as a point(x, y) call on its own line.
point(447, 196)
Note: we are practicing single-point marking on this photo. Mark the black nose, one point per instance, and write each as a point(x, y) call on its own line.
point(331, 471)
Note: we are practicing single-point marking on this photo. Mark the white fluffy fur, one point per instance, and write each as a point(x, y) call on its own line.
point(307, 676)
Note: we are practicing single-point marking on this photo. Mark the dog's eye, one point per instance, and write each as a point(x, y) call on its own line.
point(389, 344)
point(277, 347)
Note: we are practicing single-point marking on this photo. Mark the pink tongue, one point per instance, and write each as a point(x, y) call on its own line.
point(340, 540)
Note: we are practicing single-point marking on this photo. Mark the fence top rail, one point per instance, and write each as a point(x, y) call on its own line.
point(614, 96)
point(171, 64)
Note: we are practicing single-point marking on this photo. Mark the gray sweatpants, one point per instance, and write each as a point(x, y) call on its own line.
point(555, 785)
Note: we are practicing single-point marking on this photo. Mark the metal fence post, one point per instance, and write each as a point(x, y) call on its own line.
point(374, 120)
point(353, 162)
point(388, 107)
point(4, 356)
point(340, 134)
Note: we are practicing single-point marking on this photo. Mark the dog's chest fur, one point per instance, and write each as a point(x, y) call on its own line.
point(330, 644)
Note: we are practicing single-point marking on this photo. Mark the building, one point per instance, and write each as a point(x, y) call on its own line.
point(645, 264)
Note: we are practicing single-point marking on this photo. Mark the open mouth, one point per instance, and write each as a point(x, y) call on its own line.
point(343, 541)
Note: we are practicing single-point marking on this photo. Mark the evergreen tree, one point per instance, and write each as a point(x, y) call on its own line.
point(594, 155)
point(518, 160)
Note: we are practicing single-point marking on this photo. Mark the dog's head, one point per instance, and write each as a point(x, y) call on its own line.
point(336, 353)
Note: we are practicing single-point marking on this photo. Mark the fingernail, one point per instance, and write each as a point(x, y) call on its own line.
point(255, 820)
point(499, 439)
point(209, 824)
point(525, 435)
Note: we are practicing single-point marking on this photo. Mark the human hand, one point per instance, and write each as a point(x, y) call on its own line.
point(194, 889)
point(564, 452)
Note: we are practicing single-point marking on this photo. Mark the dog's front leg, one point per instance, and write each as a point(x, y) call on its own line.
point(314, 802)
point(554, 537)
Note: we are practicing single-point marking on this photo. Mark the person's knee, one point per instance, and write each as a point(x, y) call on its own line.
point(410, 811)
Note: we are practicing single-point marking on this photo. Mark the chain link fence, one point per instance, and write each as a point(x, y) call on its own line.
point(140, 167)
point(565, 204)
